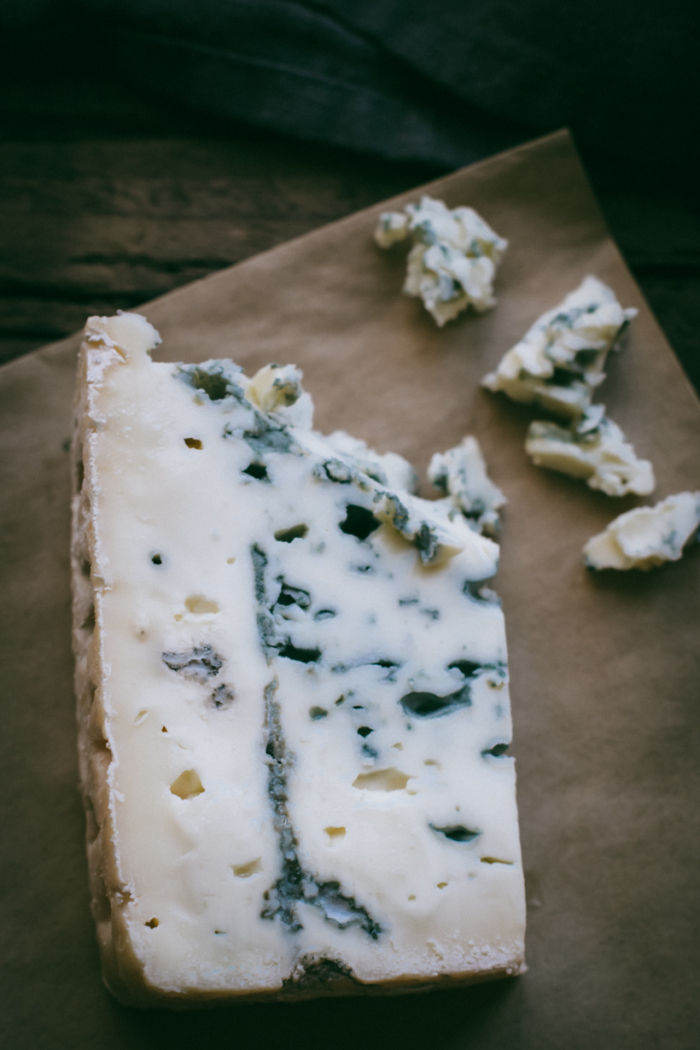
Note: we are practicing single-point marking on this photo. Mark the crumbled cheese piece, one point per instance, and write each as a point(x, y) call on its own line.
point(594, 448)
point(461, 474)
point(392, 228)
point(453, 261)
point(561, 359)
point(647, 536)
point(293, 697)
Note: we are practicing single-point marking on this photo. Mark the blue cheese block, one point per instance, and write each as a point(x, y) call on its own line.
point(293, 698)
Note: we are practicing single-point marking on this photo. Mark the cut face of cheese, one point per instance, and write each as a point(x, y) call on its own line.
point(293, 699)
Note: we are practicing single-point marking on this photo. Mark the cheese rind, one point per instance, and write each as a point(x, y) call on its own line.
point(561, 358)
point(293, 699)
point(453, 261)
point(646, 536)
point(594, 449)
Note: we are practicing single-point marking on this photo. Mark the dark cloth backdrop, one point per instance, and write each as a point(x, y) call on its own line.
point(446, 81)
point(424, 87)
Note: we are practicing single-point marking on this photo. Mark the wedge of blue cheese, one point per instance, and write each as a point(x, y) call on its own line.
point(560, 360)
point(453, 261)
point(592, 448)
point(646, 537)
point(292, 697)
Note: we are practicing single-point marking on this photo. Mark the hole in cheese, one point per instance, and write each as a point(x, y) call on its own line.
point(382, 780)
point(304, 656)
point(456, 832)
point(296, 532)
point(194, 443)
point(152, 923)
point(244, 871)
point(359, 522)
point(198, 605)
point(335, 834)
point(256, 470)
point(188, 785)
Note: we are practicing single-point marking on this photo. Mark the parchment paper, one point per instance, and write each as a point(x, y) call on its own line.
point(604, 670)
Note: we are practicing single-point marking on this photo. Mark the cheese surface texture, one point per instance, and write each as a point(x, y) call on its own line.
point(593, 448)
point(292, 697)
point(453, 261)
point(561, 358)
point(646, 536)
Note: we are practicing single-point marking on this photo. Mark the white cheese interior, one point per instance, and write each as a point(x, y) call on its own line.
point(292, 728)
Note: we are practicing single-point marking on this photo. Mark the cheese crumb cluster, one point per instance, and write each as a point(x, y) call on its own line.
point(593, 448)
point(461, 474)
point(558, 364)
point(647, 536)
point(452, 264)
point(561, 359)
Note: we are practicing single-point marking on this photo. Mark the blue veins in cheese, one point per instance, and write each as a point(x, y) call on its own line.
point(452, 263)
point(560, 360)
point(647, 536)
point(593, 448)
point(292, 693)
point(461, 474)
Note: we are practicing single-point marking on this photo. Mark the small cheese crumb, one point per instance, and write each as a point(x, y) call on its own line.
point(560, 359)
point(594, 449)
point(453, 261)
point(647, 536)
point(461, 474)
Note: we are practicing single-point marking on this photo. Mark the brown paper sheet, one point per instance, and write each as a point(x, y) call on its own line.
point(604, 670)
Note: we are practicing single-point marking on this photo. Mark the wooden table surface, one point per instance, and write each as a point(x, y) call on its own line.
point(108, 199)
